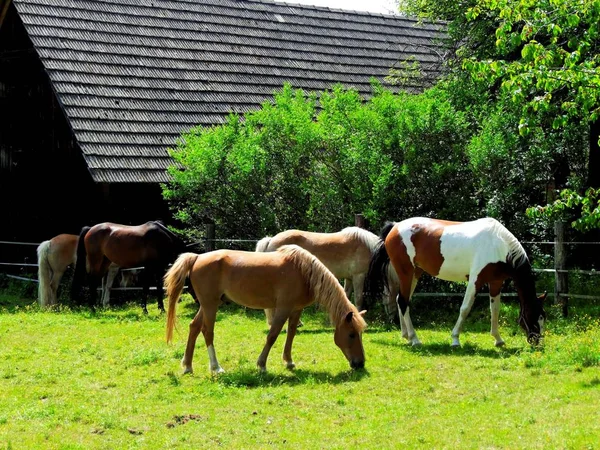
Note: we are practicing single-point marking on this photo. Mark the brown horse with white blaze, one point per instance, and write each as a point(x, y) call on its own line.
point(481, 252)
point(346, 253)
point(286, 281)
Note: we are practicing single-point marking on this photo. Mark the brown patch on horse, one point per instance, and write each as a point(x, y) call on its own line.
point(494, 274)
point(427, 241)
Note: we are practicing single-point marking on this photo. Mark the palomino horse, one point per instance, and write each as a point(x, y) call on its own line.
point(481, 252)
point(345, 253)
point(151, 245)
point(286, 281)
point(54, 257)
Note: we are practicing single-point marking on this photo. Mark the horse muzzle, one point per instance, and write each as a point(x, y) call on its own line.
point(533, 339)
point(357, 364)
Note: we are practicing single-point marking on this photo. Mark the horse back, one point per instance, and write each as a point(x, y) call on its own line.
point(452, 251)
point(344, 254)
point(252, 279)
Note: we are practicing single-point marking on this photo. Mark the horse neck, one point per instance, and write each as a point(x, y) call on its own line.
point(524, 283)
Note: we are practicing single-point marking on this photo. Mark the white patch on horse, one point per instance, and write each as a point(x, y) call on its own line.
point(406, 232)
point(468, 247)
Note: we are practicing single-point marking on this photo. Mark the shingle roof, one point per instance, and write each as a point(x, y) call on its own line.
point(132, 75)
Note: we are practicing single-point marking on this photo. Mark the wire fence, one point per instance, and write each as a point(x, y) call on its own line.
point(213, 243)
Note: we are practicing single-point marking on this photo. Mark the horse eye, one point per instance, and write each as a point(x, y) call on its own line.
point(352, 336)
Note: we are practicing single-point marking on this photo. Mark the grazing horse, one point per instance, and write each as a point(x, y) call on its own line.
point(151, 245)
point(286, 281)
point(345, 253)
point(54, 257)
point(480, 252)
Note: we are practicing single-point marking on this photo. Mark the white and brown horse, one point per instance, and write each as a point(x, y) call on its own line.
point(481, 252)
point(286, 281)
point(54, 257)
point(345, 253)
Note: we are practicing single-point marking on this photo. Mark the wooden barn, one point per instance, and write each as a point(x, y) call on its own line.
point(94, 92)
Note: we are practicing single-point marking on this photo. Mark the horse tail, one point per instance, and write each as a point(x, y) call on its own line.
point(80, 265)
point(174, 281)
point(378, 274)
point(44, 275)
point(263, 244)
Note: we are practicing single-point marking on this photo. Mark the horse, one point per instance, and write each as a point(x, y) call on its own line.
point(286, 281)
point(346, 253)
point(480, 252)
point(54, 257)
point(151, 245)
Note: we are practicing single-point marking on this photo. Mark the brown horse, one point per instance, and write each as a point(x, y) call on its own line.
point(286, 281)
point(345, 253)
point(481, 252)
point(54, 257)
point(150, 245)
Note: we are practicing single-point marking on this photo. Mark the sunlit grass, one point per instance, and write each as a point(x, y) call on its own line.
point(70, 379)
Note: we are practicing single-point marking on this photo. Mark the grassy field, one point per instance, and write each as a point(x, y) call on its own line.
point(72, 380)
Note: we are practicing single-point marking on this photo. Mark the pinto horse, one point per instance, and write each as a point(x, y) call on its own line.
point(54, 257)
point(286, 281)
point(151, 245)
point(480, 252)
point(345, 253)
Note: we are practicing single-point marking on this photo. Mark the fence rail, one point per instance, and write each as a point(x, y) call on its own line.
point(561, 292)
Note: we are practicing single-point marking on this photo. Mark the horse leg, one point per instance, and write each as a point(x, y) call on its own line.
point(54, 283)
point(277, 323)
point(107, 283)
point(196, 326)
point(348, 287)
point(208, 329)
point(291, 332)
point(465, 308)
point(494, 310)
point(408, 283)
point(146, 279)
point(160, 292)
point(359, 283)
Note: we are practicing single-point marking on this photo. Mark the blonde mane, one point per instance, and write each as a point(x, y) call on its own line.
point(516, 252)
point(369, 239)
point(324, 287)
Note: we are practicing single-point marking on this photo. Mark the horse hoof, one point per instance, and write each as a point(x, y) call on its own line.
point(500, 344)
point(455, 345)
point(290, 366)
point(187, 370)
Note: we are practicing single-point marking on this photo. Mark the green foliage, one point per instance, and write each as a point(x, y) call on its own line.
point(289, 165)
point(585, 209)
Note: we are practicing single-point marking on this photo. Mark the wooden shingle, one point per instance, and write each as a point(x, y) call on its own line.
point(132, 75)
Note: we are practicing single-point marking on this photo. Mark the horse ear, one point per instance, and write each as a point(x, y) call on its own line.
point(363, 312)
point(349, 317)
point(543, 296)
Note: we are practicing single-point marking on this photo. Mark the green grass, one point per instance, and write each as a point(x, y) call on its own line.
point(72, 380)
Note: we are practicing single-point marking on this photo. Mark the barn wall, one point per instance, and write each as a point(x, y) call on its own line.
point(45, 184)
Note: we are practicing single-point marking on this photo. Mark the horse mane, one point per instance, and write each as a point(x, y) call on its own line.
point(516, 256)
point(369, 239)
point(323, 285)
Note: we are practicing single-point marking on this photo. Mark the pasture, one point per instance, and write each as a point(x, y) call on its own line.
point(73, 380)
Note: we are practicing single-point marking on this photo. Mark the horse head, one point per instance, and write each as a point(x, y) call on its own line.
point(348, 337)
point(532, 318)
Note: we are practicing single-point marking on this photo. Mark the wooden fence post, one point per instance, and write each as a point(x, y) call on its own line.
point(210, 237)
point(561, 283)
point(359, 220)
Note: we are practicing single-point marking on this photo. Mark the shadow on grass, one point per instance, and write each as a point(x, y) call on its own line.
point(437, 349)
point(253, 378)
